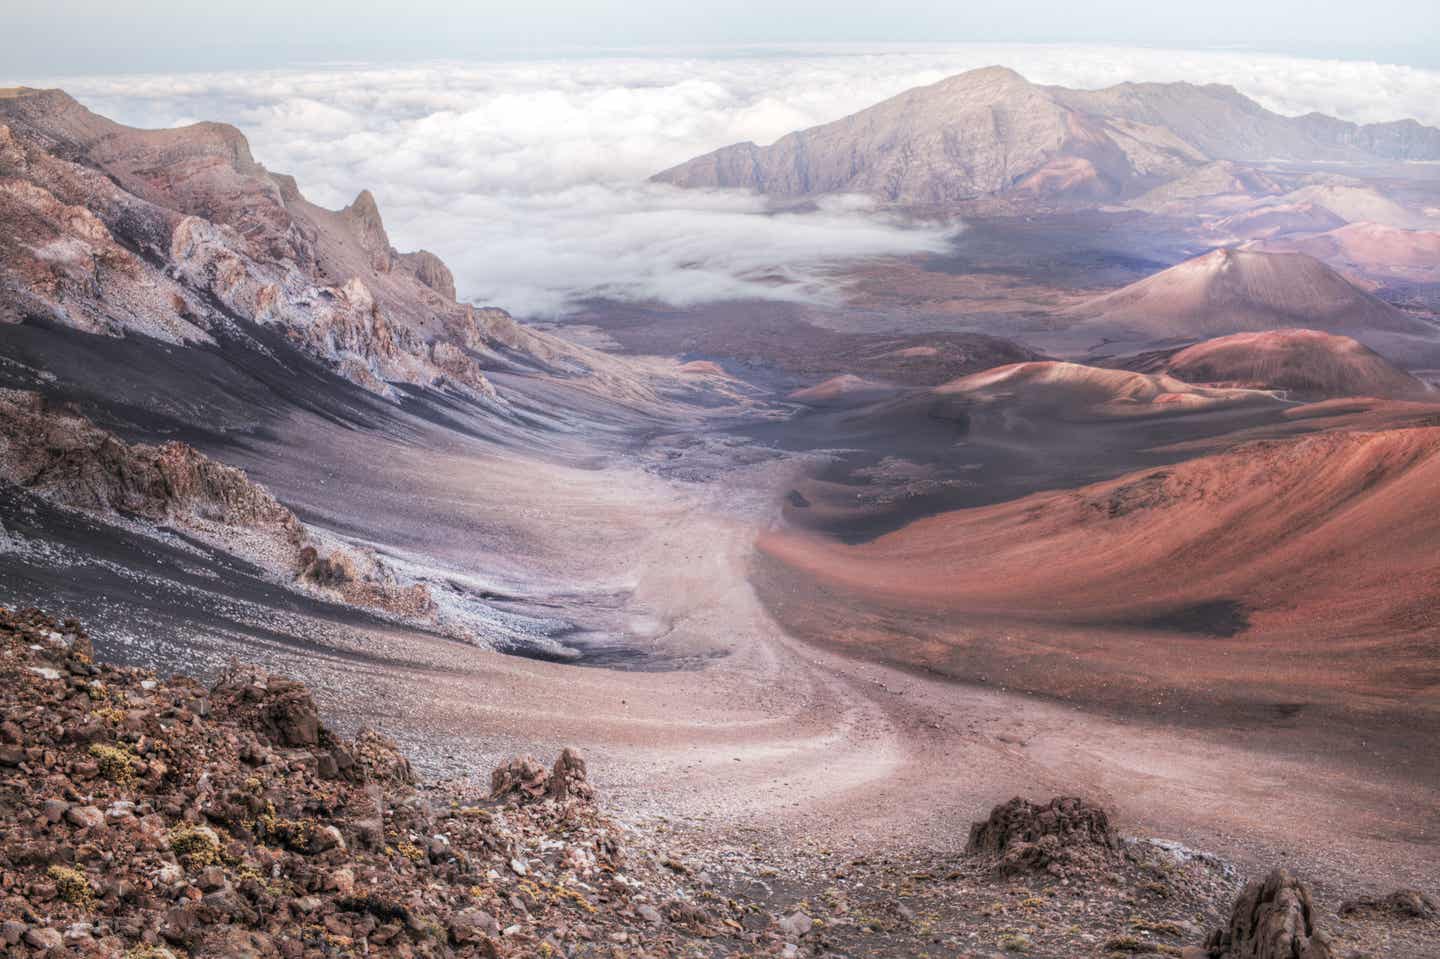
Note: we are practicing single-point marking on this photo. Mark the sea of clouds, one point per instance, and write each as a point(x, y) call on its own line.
point(529, 176)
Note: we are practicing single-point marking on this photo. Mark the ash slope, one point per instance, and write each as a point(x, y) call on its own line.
point(169, 288)
point(991, 132)
point(1218, 585)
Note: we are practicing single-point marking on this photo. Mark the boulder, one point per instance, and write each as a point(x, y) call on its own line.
point(1272, 919)
point(470, 924)
point(1064, 834)
point(85, 817)
point(568, 779)
point(39, 937)
point(1400, 904)
point(281, 710)
point(522, 779)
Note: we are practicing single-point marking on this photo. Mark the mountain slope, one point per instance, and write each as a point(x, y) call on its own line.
point(990, 131)
point(978, 133)
point(1206, 527)
point(1258, 573)
point(1371, 248)
point(1233, 291)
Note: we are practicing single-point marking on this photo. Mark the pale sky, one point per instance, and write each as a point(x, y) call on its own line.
point(63, 37)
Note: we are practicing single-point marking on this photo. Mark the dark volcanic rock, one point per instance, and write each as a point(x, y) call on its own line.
point(524, 780)
point(568, 778)
point(1063, 835)
point(1272, 919)
point(521, 778)
point(281, 709)
point(67, 459)
point(1401, 904)
point(204, 818)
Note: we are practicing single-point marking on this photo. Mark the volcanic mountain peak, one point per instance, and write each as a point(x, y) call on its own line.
point(992, 132)
point(1304, 362)
point(918, 147)
point(1232, 291)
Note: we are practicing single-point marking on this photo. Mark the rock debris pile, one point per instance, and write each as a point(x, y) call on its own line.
point(148, 818)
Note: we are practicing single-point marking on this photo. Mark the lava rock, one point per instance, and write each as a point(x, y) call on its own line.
point(1272, 919)
point(1065, 834)
point(1401, 904)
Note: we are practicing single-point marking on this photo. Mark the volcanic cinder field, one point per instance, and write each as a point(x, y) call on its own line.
point(1132, 492)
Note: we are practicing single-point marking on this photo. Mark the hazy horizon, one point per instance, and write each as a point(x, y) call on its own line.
point(86, 36)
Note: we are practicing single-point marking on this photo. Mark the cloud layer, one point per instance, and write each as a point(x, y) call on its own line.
point(527, 177)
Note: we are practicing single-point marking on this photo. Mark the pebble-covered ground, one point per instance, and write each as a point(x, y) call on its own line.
point(146, 818)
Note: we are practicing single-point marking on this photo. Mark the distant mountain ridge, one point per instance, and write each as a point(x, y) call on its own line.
point(991, 132)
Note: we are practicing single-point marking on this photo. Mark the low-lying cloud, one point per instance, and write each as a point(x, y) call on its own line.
point(528, 177)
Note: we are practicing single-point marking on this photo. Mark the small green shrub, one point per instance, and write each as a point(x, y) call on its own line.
point(195, 846)
point(116, 764)
point(72, 885)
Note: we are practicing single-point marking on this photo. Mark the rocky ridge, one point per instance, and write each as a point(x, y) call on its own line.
point(180, 234)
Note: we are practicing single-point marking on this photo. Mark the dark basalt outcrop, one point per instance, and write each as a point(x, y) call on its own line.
point(1272, 919)
point(53, 452)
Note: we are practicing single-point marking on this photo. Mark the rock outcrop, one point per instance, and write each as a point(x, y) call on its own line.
point(1065, 836)
point(522, 779)
point(62, 456)
point(1272, 919)
point(53, 452)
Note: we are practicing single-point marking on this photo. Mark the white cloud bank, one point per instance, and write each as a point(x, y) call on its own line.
point(527, 177)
